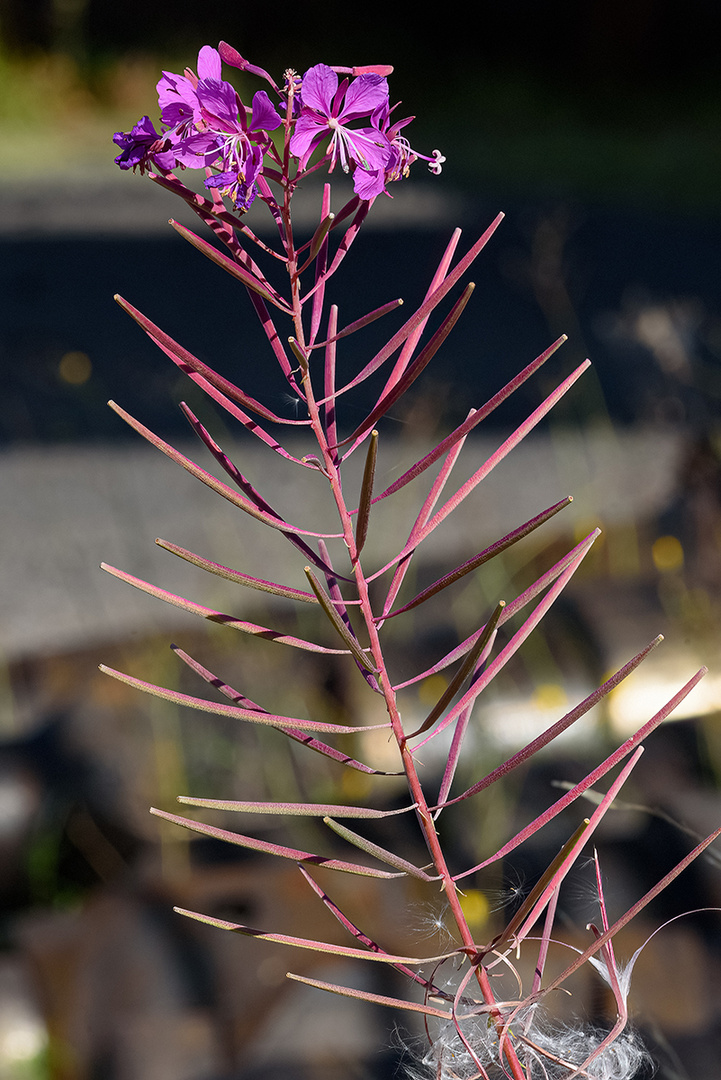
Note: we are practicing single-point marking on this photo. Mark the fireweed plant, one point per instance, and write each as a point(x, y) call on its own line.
point(480, 1021)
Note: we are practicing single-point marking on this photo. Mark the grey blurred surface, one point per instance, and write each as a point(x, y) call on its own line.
point(65, 509)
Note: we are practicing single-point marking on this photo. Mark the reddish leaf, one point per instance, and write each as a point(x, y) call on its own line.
point(252, 715)
point(217, 616)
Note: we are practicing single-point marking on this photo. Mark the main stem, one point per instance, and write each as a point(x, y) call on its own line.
point(423, 812)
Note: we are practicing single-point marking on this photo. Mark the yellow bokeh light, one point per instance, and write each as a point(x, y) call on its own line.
point(550, 696)
point(667, 553)
point(476, 907)
point(75, 368)
point(431, 689)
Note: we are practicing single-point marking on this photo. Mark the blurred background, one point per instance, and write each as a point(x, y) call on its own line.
point(595, 127)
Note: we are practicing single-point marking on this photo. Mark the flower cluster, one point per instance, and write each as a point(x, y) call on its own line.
point(205, 125)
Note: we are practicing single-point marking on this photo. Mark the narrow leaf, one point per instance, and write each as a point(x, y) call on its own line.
point(235, 575)
point(257, 500)
point(338, 624)
point(511, 442)
point(317, 240)
point(217, 616)
point(558, 728)
point(359, 324)
point(314, 944)
point(282, 852)
point(409, 347)
point(474, 418)
point(545, 943)
point(376, 999)
point(301, 737)
point(552, 884)
point(292, 809)
point(508, 935)
point(511, 648)
point(610, 762)
point(189, 363)
point(632, 912)
point(275, 343)
point(340, 605)
point(413, 370)
point(423, 515)
point(212, 481)
point(482, 557)
point(219, 709)
point(464, 672)
point(329, 388)
point(511, 609)
point(338, 600)
point(299, 353)
point(234, 695)
point(459, 734)
point(360, 208)
point(262, 288)
point(334, 754)
point(378, 852)
point(359, 935)
point(227, 227)
point(196, 201)
point(594, 797)
point(424, 310)
point(361, 529)
point(321, 268)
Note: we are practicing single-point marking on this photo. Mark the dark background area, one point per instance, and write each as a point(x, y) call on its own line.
point(544, 96)
point(594, 127)
point(598, 274)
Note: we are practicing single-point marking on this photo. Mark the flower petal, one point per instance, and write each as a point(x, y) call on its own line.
point(365, 94)
point(308, 133)
point(368, 183)
point(219, 104)
point(209, 65)
point(174, 89)
point(265, 117)
point(319, 86)
point(368, 147)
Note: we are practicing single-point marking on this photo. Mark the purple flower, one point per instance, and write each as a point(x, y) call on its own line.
point(194, 145)
point(327, 109)
point(400, 158)
point(238, 181)
point(207, 121)
point(239, 144)
point(177, 95)
point(142, 146)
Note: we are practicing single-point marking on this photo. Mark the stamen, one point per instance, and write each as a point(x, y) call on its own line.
point(435, 166)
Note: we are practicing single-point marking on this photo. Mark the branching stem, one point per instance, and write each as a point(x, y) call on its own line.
point(425, 817)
